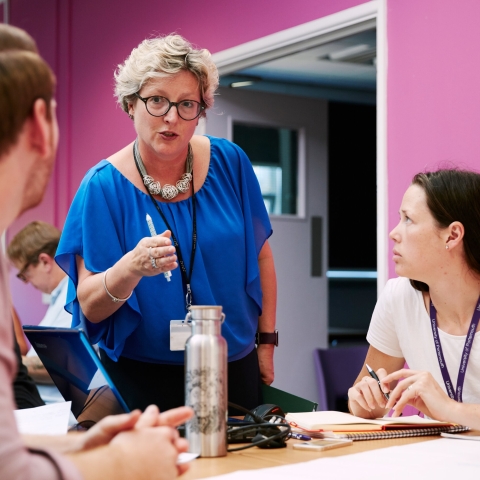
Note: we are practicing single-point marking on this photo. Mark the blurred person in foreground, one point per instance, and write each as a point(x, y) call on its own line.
point(127, 446)
point(25, 391)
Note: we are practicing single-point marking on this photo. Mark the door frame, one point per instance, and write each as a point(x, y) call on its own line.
point(314, 33)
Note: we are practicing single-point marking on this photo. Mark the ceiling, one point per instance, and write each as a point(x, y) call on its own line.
point(343, 69)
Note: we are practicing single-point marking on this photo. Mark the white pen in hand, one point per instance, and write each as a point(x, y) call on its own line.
point(153, 233)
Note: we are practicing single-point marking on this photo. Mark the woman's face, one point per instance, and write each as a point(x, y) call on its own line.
point(419, 247)
point(166, 137)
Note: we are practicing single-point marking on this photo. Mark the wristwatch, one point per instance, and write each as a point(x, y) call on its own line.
point(271, 338)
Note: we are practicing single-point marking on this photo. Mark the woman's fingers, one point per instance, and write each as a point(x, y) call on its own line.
point(155, 255)
point(403, 373)
point(367, 394)
point(400, 397)
point(355, 395)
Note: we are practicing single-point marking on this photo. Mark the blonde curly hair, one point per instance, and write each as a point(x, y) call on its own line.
point(159, 58)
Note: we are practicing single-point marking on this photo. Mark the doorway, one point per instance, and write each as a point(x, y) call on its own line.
point(302, 238)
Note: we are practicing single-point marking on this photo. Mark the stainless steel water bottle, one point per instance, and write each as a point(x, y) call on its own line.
point(206, 382)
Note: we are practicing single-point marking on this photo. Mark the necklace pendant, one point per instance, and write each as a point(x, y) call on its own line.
point(169, 192)
point(184, 183)
point(153, 187)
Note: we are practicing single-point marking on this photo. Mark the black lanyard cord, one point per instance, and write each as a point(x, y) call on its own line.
point(187, 277)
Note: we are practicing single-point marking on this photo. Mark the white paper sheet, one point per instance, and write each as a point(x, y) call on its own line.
point(46, 420)
point(341, 418)
point(439, 459)
point(456, 436)
point(186, 457)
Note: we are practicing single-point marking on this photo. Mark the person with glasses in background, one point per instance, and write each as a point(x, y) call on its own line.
point(32, 252)
point(204, 201)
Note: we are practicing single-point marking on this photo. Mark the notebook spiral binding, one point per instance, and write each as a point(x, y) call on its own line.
point(412, 432)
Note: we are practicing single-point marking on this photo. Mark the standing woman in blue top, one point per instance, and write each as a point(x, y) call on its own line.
point(204, 201)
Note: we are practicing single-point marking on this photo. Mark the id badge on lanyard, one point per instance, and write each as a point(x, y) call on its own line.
point(180, 332)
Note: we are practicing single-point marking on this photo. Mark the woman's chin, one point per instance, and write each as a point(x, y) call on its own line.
point(401, 272)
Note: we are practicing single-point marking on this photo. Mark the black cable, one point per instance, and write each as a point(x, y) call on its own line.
point(257, 428)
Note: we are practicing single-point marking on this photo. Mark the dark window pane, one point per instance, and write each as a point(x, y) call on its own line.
point(273, 153)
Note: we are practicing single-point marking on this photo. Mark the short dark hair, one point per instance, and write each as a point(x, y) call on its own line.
point(13, 38)
point(24, 78)
point(454, 195)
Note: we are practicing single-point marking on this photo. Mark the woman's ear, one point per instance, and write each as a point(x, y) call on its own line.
point(130, 109)
point(456, 232)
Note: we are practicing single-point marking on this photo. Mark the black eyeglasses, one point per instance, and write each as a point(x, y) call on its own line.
point(21, 274)
point(159, 106)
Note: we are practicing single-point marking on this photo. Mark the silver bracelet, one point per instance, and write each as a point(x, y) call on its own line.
point(114, 299)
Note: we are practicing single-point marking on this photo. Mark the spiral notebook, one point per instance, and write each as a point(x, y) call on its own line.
point(383, 434)
point(343, 425)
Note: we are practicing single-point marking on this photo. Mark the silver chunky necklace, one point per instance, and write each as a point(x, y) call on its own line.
point(168, 192)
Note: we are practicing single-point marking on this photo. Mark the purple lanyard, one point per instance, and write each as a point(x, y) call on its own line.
point(465, 355)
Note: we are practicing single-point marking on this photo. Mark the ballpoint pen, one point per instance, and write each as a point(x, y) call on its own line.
point(374, 376)
point(153, 233)
point(300, 436)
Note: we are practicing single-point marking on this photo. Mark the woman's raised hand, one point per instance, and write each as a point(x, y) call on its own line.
point(153, 255)
point(420, 390)
point(365, 397)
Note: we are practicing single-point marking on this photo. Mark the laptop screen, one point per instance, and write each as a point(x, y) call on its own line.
point(75, 369)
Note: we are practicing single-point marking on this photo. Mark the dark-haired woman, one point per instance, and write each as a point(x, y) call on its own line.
point(429, 316)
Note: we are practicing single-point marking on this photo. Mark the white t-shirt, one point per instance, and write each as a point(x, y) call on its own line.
point(56, 315)
point(401, 327)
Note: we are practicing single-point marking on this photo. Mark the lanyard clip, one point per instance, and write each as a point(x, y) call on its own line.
point(188, 297)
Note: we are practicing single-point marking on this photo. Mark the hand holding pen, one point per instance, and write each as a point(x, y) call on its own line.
point(153, 233)
point(366, 397)
point(374, 376)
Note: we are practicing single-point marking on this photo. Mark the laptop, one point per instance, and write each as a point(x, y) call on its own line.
point(77, 371)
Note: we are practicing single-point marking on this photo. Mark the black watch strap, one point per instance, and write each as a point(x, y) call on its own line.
point(270, 338)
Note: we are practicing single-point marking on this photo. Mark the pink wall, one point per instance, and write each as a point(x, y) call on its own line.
point(433, 90)
point(433, 78)
point(84, 40)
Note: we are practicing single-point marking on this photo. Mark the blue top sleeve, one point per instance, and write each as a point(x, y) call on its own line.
point(107, 219)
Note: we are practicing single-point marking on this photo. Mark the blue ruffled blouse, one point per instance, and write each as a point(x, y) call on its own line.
point(107, 220)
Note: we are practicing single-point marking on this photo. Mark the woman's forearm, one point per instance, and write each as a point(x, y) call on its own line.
point(94, 301)
point(268, 280)
point(267, 321)
point(464, 414)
